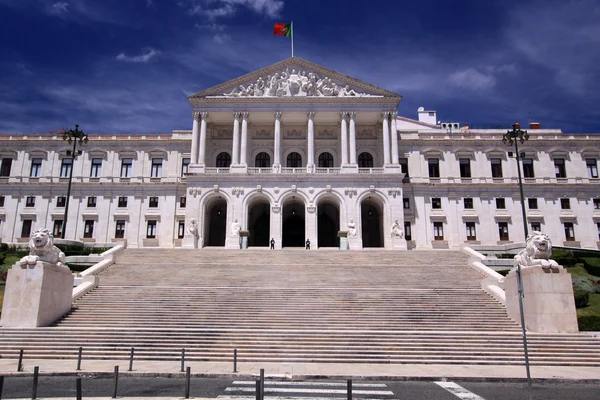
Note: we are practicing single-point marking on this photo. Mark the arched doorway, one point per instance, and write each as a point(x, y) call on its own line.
point(293, 223)
point(328, 224)
point(215, 222)
point(259, 223)
point(371, 214)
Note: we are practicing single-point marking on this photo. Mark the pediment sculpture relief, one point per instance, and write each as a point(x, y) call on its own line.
point(294, 83)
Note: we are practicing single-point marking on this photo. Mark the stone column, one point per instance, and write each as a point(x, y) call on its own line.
point(195, 137)
point(202, 152)
point(352, 137)
point(344, 129)
point(310, 165)
point(235, 150)
point(244, 142)
point(394, 133)
point(386, 137)
point(277, 144)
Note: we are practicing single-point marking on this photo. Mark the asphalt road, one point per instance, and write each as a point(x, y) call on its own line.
point(60, 386)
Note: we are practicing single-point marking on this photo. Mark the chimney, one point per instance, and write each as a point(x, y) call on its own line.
point(535, 125)
point(427, 116)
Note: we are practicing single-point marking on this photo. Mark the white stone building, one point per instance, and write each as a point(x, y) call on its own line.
point(295, 151)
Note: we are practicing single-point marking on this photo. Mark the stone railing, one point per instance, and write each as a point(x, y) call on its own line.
point(88, 280)
point(493, 283)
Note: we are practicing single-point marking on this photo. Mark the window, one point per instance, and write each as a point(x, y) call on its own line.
point(528, 168)
point(262, 160)
point(185, 163)
point(156, 171)
point(57, 229)
point(532, 202)
point(1, 201)
point(598, 225)
point(120, 229)
point(294, 160)
point(96, 167)
point(365, 160)
point(465, 167)
point(151, 230)
point(438, 231)
point(61, 201)
point(500, 203)
point(569, 232)
point(88, 229)
point(536, 227)
point(30, 201)
point(26, 228)
point(592, 167)
point(565, 204)
point(404, 166)
point(153, 202)
point(468, 203)
point(434, 168)
point(496, 167)
point(471, 235)
point(126, 167)
point(5, 168)
point(223, 160)
point(436, 203)
point(182, 201)
point(503, 231)
point(91, 201)
point(122, 201)
point(36, 167)
point(559, 168)
point(597, 204)
point(181, 230)
point(66, 167)
point(325, 160)
point(407, 231)
point(406, 203)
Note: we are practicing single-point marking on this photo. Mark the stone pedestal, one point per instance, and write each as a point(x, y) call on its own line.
point(36, 295)
point(398, 243)
point(354, 243)
point(189, 242)
point(548, 305)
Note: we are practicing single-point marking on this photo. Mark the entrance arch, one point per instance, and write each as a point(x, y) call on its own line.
point(294, 226)
point(328, 223)
point(259, 222)
point(215, 222)
point(371, 217)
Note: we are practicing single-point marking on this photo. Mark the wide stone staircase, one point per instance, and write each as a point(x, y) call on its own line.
point(373, 306)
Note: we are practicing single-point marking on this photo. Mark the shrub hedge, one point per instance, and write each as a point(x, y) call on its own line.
point(589, 323)
point(582, 299)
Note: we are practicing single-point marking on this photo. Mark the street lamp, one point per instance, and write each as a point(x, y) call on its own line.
point(72, 136)
point(515, 136)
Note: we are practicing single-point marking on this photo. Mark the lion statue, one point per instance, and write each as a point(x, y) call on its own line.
point(537, 252)
point(41, 248)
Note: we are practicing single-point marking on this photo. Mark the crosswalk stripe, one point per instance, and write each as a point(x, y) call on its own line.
point(237, 397)
point(305, 390)
point(459, 391)
point(333, 384)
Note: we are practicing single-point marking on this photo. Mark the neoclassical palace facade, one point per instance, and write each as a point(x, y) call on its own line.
point(296, 151)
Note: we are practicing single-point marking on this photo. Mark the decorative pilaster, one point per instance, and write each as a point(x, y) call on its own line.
point(202, 152)
point(235, 150)
point(386, 137)
point(277, 143)
point(244, 143)
point(344, 129)
point(352, 115)
point(310, 165)
point(394, 135)
point(195, 137)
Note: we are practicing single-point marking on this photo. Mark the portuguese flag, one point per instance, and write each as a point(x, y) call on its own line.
point(283, 30)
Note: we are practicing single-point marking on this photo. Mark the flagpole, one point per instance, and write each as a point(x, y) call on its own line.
point(292, 26)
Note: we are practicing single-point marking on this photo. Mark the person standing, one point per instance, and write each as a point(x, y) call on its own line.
point(307, 244)
point(272, 243)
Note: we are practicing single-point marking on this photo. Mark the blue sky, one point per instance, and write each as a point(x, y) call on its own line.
point(127, 66)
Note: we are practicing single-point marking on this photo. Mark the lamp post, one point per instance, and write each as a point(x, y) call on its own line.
point(72, 136)
point(515, 136)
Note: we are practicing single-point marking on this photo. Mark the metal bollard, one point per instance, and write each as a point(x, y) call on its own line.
point(262, 384)
point(182, 359)
point(188, 371)
point(20, 364)
point(258, 389)
point(79, 359)
point(131, 360)
point(234, 360)
point(114, 396)
point(36, 371)
point(349, 389)
point(78, 387)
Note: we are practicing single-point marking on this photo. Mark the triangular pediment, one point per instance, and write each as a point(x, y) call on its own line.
point(294, 78)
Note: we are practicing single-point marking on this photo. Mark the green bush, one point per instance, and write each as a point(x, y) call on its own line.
point(592, 265)
point(582, 298)
point(78, 250)
point(2, 258)
point(589, 323)
point(582, 283)
point(3, 247)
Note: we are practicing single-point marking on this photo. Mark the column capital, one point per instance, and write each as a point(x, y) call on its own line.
point(394, 114)
point(245, 115)
point(352, 114)
point(278, 115)
point(311, 114)
point(204, 115)
point(344, 114)
point(386, 114)
point(237, 115)
point(196, 115)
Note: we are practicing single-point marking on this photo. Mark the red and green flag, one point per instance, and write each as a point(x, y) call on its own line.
point(283, 30)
